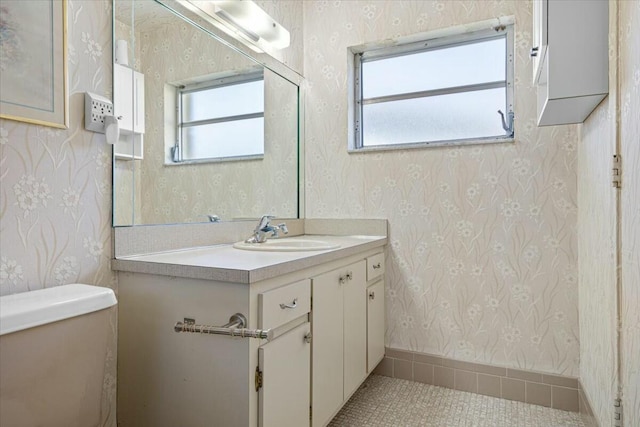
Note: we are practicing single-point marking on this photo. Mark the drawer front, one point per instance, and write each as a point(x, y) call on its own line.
point(281, 305)
point(375, 266)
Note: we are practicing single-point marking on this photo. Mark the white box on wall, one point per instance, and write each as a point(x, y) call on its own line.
point(570, 58)
point(128, 99)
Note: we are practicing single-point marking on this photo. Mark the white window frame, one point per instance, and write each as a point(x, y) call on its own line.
point(473, 33)
point(176, 151)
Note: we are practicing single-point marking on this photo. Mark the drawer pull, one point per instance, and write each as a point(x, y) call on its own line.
point(377, 266)
point(294, 304)
point(372, 295)
point(307, 338)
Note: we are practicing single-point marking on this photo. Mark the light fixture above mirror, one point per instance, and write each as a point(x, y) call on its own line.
point(245, 21)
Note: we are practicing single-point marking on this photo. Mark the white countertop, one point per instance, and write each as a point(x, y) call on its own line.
point(225, 263)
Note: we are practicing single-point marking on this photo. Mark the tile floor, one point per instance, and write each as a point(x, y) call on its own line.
point(385, 402)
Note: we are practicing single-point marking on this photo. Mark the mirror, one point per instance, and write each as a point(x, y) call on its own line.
point(192, 147)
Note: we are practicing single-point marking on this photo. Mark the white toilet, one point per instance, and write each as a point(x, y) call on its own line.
point(53, 344)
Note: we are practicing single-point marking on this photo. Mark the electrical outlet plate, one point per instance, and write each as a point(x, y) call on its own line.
point(96, 107)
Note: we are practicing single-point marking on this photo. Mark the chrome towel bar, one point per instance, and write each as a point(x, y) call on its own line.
point(235, 328)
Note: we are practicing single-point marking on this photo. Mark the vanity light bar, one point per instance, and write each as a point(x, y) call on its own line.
point(245, 21)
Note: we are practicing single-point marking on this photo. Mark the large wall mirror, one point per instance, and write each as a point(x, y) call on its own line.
point(206, 131)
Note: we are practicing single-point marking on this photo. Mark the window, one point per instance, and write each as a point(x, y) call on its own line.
point(441, 91)
point(220, 119)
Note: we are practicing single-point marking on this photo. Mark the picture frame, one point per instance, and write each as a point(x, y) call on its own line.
point(33, 62)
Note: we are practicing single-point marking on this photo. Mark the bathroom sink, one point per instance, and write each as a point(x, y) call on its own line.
point(287, 245)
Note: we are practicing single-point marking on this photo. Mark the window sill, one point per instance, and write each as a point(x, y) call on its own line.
point(439, 144)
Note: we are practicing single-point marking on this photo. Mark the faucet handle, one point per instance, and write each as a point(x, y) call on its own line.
point(283, 228)
point(264, 221)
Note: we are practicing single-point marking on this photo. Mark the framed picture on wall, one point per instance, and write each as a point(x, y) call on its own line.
point(33, 62)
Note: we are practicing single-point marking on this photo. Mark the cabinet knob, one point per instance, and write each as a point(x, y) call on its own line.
point(372, 295)
point(307, 338)
point(534, 51)
point(294, 304)
point(343, 279)
point(376, 266)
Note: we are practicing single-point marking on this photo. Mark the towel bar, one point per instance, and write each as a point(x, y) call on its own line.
point(235, 328)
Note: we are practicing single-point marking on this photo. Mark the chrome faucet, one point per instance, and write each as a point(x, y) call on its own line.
point(264, 230)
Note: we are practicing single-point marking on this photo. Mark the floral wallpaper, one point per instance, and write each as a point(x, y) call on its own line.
point(597, 248)
point(616, 119)
point(482, 264)
point(629, 75)
point(483, 258)
point(55, 185)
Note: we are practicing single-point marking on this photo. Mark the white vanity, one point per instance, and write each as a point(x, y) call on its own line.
point(324, 310)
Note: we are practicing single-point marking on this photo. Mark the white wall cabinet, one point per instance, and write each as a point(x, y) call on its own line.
point(191, 380)
point(570, 58)
point(128, 100)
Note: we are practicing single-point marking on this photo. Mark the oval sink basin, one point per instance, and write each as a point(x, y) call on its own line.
point(287, 245)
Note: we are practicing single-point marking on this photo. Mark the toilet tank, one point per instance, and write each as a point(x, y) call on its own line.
point(53, 345)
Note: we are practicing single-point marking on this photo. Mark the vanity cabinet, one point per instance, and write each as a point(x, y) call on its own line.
point(375, 324)
point(339, 325)
point(284, 365)
point(327, 336)
point(128, 100)
point(168, 379)
point(348, 333)
point(284, 369)
point(375, 311)
point(570, 58)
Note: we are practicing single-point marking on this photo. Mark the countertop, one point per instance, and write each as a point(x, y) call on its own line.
point(225, 263)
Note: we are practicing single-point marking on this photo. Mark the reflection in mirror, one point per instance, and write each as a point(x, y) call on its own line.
point(219, 118)
point(205, 129)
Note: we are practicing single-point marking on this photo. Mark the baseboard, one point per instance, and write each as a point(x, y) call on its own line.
point(554, 391)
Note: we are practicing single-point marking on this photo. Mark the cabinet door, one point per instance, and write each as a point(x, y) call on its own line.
point(375, 324)
point(355, 328)
point(138, 102)
point(123, 96)
point(283, 400)
point(539, 48)
point(327, 346)
point(128, 98)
